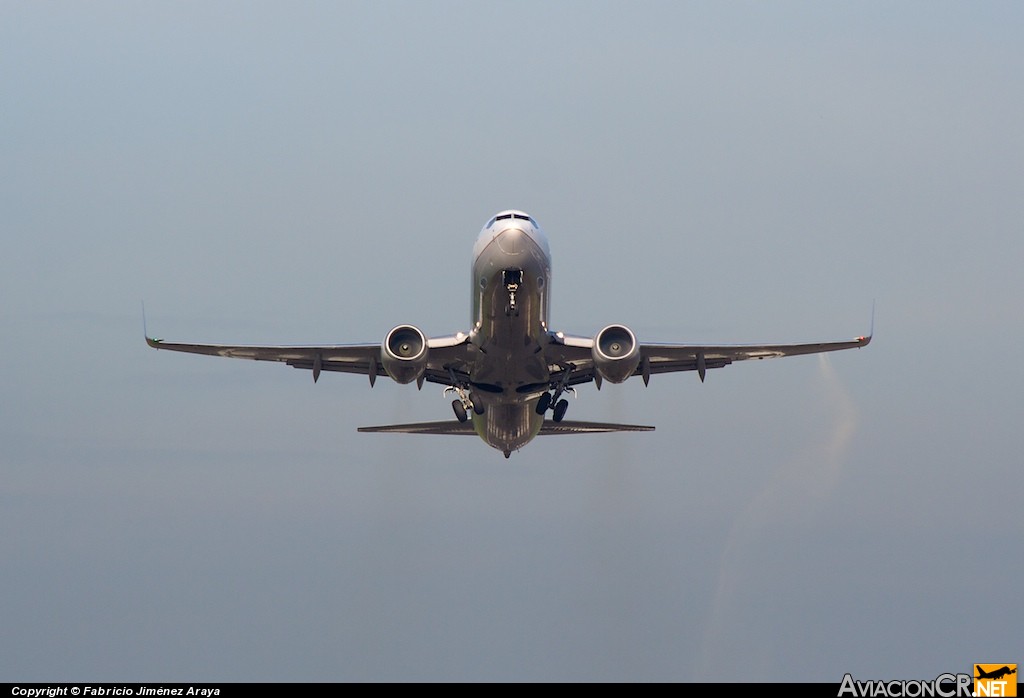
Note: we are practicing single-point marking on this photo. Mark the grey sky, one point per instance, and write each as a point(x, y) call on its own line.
point(317, 173)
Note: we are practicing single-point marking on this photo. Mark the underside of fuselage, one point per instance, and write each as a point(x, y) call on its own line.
point(511, 278)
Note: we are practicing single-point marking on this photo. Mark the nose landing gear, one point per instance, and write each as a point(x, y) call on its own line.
point(512, 278)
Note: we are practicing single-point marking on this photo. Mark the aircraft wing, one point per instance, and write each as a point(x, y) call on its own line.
point(574, 354)
point(444, 353)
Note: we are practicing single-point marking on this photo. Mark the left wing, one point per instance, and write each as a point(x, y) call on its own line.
point(574, 354)
point(665, 358)
point(448, 352)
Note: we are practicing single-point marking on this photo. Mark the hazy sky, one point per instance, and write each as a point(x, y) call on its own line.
point(317, 172)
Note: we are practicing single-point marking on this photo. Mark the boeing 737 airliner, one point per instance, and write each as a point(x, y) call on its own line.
point(510, 370)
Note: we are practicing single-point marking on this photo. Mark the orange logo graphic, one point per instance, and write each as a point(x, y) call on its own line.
point(995, 680)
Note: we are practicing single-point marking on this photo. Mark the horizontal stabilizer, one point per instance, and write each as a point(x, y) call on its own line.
point(570, 427)
point(450, 427)
point(549, 427)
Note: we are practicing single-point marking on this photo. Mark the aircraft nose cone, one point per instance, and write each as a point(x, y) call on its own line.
point(512, 241)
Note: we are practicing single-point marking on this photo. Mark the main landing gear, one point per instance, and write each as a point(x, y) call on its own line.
point(554, 399)
point(463, 403)
point(558, 410)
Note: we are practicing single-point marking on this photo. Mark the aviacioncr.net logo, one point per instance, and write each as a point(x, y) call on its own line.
point(943, 686)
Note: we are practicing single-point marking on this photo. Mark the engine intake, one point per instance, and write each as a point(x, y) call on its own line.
point(404, 354)
point(616, 353)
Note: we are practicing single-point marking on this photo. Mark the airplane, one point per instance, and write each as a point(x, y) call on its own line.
point(509, 372)
point(996, 674)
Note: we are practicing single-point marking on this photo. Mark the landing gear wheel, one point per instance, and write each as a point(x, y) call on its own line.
point(478, 408)
point(560, 407)
point(543, 403)
point(460, 411)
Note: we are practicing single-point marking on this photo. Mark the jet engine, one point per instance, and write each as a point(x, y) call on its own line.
point(404, 354)
point(616, 353)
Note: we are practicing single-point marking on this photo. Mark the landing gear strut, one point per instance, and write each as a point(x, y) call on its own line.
point(512, 278)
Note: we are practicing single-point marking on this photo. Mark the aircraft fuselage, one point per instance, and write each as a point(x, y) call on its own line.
point(511, 299)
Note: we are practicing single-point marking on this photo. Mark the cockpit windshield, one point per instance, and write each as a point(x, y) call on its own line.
point(511, 215)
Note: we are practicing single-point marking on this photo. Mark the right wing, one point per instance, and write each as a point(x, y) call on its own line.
point(446, 354)
point(449, 427)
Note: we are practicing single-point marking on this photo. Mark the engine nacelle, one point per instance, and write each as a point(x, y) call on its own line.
point(616, 353)
point(404, 354)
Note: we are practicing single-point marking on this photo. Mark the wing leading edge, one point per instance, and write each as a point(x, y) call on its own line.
point(574, 354)
point(666, 358)
point(449, 355)
point(447, 352)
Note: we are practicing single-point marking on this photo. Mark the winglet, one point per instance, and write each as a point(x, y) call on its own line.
point(862, 340)
point(155, 343)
